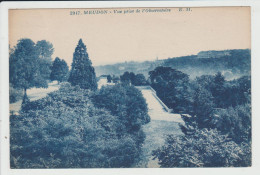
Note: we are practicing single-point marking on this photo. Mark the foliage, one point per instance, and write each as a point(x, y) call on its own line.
point(236, 92)
point(66, 130)
point(203, 106)
point(224, 93)
point(218, 127)
point(24, 69)
point(126, 102)
point(218, 88)
point(204, 148)
point(82, 73)
point(236, 122)
point(28, 65)
point(136, 80)
point(125, 78)
point(15, 94)
point(109, 79)
point(221, 104)
point(115, 79)
point(45, 50)
point(139, 80)
point(59, 70)
point(172, 87)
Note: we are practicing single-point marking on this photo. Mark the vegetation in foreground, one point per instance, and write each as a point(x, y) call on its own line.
point(79, 126)
point(217, 129)
point(67, 130)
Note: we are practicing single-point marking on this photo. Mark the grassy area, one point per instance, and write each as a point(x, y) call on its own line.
point(156, 132)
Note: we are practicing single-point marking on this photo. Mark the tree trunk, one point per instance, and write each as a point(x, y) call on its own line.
point(25, 92)
point(25, 98)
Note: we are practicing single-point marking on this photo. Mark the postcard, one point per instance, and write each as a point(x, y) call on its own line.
point(128, 88)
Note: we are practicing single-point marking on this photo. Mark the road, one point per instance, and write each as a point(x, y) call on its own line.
point(156, 110)
point(162, 124)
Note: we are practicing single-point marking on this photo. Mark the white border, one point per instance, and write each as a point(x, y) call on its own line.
point(4, 103)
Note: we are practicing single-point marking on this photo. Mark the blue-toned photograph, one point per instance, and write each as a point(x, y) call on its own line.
point(130, 88)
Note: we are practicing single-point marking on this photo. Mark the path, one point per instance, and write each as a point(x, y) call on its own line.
point(162, 124)
point(35, 94)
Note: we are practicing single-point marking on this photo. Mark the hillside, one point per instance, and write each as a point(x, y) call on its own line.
point(231, 63)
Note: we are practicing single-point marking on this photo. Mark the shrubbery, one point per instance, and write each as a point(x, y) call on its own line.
point(134, 79)
point(172, 87)
point(124, 101)
point(218, 127)
point(66, 130)
point(204, 148)
point(15, 94)
point(236, 122)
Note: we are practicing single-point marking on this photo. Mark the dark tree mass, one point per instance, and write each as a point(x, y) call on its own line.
point(172, 87)
point(132, 78)
point(30, 64)
point(67, 129)
point(217, 131)
point(82, 73)
point(59, 70)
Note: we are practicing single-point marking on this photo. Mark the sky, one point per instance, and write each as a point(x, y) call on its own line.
point(138, 36)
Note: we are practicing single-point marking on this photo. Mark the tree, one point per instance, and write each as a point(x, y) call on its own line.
point(24, 70)
point(109, 79)
point(126, 102)
point(66, 130)
point(59, 70)
point(132, 77)
point(172, 88)
point(82, 72)
point(236, 92)
point(125, 78)
point(15, 94)
point(45, 50)
point(139, 80)
point(235, 122)
point(218, 89)
point(202, 107)
point(115, 79)
point(204, 148)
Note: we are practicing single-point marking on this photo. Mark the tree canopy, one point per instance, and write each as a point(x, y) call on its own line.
point(67, 129)
point(172, 87)
point(29, 64)
point(59, 70)
point(217, 131)
point(82, 72)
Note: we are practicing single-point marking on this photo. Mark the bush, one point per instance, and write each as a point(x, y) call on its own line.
point(204, 148)
point(172, 87)
point(126, 102)
point(15, 94)
point(65, 130)
point(236, 122)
